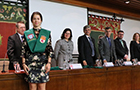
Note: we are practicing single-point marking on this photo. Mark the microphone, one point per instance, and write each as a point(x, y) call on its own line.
point(3, 71)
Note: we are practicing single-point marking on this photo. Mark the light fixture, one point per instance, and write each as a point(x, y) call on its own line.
point(127, 2)
point(122, 20)
point(114, 15)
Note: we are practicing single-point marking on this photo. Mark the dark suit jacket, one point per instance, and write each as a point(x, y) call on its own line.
point(14, 50)
point(120, 50)
point(85, 51)
point(107, 52)
point(134, 50)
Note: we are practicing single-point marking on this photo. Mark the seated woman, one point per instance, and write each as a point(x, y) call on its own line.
point(64, 48)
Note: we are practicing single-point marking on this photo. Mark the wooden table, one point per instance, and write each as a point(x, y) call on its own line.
point(112, 78)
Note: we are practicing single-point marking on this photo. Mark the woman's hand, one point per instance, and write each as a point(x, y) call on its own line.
point(26, 69)
point(48, 67)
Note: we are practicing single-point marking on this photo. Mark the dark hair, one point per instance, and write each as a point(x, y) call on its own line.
point(19, 22)
point(120, 31)
point(107, 28)
point(67, 29)
point(85, 27)
point(38, 13)
point(135, 35)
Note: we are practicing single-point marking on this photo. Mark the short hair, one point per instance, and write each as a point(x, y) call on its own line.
point(135, 35)
point(85, 27)
point(19, 22)
point(120, 31)
point(38, 13)
point(107, 28)
point(65, 30)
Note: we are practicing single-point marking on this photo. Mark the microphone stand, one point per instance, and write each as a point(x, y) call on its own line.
point(3, 71)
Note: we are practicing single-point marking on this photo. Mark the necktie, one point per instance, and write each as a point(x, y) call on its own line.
point(92, 47)
point(109, 41)
point(22, 38)
point(122, 43)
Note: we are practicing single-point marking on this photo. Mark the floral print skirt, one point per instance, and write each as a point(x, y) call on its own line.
point(36, 63)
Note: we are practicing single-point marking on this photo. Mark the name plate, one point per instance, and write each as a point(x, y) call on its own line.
point(138, 63)
point(108, 64)
point(75, 66)
point(127, 63)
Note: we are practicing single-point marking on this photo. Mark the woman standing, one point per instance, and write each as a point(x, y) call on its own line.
point(135, 47)
point(64, 47)
point(36, 54)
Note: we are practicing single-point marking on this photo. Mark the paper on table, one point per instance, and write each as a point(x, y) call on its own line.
point(138, 63)
point(108, 64)
point(21, 70)
point(127, 63)
point(75, 66)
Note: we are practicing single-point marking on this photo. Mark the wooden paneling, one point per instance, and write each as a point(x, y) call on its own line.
point(13, 82)
point(58, 80)
point(136, 78)
point(87, 79)
point(112, 78)
point(121, 77)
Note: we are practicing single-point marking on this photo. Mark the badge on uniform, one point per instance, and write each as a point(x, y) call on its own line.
point(30, 36)
point(42, 39)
